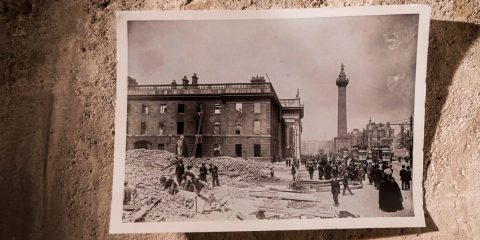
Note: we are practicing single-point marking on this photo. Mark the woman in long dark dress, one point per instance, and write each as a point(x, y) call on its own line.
point(390, 197)
point(328, 172)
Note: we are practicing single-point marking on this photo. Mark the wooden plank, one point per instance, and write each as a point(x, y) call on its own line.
point(284, 190)
point(295, 197)
point(298, 212)
point(326, 189)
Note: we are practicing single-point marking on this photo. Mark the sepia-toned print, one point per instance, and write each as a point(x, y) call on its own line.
point(263, 120)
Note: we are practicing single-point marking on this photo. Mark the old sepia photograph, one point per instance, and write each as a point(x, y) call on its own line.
point(270, 120)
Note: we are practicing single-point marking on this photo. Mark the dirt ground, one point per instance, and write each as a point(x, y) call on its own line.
point(57, 119)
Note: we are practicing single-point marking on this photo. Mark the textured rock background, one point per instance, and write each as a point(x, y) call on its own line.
point(57, 88)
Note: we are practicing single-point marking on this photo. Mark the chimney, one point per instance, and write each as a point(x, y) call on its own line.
point(257, 79)
point(132, 81)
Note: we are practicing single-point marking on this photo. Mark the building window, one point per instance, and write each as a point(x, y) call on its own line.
point(144, 109)
point(216, 128)
point(218, 108)
point(238, 128)
point(256, 127)
point(143, 128)
point(180, 126)
point(257, 150)
point(163, 108)
point(142, 145)
point(161, 128)
point(238, 150)
point(161, 146)
point(181, 108)
point(238, 107)
point(256, 107)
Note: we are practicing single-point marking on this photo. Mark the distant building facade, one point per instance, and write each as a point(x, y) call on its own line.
point(232, 119)
point(313, 147)
point(378, 134)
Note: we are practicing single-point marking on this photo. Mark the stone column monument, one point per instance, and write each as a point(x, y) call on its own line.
point(342, 82)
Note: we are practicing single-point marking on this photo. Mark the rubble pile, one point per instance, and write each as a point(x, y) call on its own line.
point(170, 208)
point(142, 172)
point(238, 169)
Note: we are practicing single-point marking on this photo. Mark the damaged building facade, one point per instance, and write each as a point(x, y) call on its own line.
point(206, 120)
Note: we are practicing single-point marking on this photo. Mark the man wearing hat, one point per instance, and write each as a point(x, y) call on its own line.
point(214, 171)
point(403, 177)
point(180, 170)
point(203, 172)
point(335, 189)
point(408, 176)
point(345, 184)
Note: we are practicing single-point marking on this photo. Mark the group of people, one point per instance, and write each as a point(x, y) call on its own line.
point(353, 171)
point(185, 178)
point(380, 175)
point(376, 174)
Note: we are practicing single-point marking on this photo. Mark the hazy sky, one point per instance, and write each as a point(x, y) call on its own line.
point(378, 52)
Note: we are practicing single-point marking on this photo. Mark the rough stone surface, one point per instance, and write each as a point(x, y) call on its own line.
point(57, 87)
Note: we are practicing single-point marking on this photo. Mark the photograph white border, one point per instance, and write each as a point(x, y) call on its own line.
point(418, 220)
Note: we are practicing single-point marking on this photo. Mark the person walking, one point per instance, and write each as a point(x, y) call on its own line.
point(389, 195)
point(361, 174)
point(214, 171)
point(311, 169)
point(403, 177)
point(294, 172)
point(369, 173)
point(345, 184)
point(408, 177)
point(320, 171)
point(335, 185)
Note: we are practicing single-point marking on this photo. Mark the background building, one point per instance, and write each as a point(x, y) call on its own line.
point(235, 119)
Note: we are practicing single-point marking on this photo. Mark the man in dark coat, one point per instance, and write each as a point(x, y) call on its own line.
point(345, 184)
point(203, 172)
point(389, 196)
point(179, 171)
point(311, 169)
point(408, 178)
point(320, 171)
point(369, 173)
point(328, 172)
point(214, 171)
point(335, 190)
point(294, 172)
point(403, 177)
point(377, 176)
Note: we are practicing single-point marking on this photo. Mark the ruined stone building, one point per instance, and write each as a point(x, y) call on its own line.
point(228, 119)
point(378, 134)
